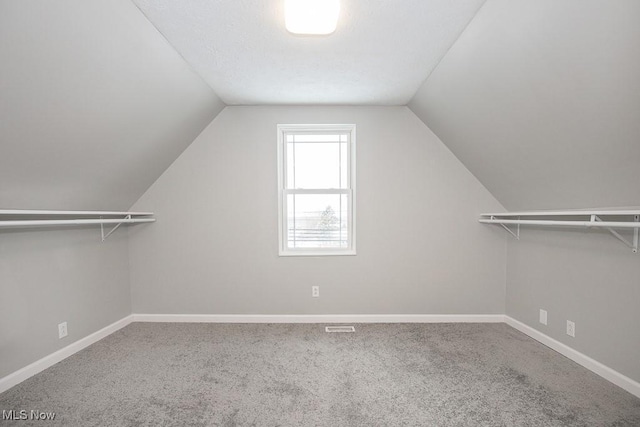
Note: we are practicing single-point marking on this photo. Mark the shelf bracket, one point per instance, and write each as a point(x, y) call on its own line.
point(516, 234)
point(636, 218)
point(633, 245)
point(104, 236)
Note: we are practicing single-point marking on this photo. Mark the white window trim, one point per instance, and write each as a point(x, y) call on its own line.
point(283, 250)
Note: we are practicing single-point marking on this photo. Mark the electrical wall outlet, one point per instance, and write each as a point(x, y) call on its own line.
point(315, 291)
point(571, 328)
point(543, 316)
point(62, 330)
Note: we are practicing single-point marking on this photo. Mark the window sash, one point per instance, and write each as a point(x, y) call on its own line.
point(317, 251)
point(284, 156)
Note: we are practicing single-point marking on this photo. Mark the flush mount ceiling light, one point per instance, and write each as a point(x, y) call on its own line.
point(317, 17)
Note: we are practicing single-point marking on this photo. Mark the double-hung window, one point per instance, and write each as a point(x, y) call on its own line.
point(316, 179)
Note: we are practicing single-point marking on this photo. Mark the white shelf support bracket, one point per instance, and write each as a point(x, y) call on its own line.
point(105, 236)
point(636, 218)
point(516, 234)
point(633, 245)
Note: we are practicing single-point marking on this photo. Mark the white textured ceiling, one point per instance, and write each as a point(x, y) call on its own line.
point(94, 104)
point(380, 53)
point(541, 101)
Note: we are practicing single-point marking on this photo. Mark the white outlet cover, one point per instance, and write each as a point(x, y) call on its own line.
point(315, 291)
point(543, 316)
point(571, 328)
point(62, 330)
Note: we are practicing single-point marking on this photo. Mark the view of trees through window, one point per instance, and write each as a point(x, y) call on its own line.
point(323, 230)
point(318, 220)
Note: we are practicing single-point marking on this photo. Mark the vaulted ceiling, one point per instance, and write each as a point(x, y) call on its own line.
point(540, 99)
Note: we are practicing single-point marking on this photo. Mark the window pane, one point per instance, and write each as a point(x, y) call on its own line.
point(317, 221)
point(317, 165)
point(290, 168)
point(344, 168)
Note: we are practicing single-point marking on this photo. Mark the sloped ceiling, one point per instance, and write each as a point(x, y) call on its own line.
point(380, 53)
point(541, 101)
point(94, 104)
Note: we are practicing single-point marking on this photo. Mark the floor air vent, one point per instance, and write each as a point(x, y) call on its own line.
point(340, 329)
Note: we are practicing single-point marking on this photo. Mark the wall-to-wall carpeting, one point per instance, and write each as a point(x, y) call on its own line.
point(298, 375)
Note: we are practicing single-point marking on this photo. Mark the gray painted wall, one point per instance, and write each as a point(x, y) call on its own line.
point(49, 276)
point(588, 277)
point(541, 101)
point(214, 249)
point(94, 104)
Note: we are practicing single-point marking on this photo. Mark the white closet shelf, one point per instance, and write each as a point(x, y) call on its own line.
point(22, 218)
point(608, 212)
point(70, 213)
point(608, 219)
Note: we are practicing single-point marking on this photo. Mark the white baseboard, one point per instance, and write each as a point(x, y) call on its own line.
point(604, 371)
point(40, 365)
point(320, 318)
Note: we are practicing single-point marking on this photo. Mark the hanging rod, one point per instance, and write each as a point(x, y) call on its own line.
point(595, 219)
point(603, 224)
point(47, 222)
point(21, 218)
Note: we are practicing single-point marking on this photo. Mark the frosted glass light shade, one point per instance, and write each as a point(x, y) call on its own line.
point(318, 17)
